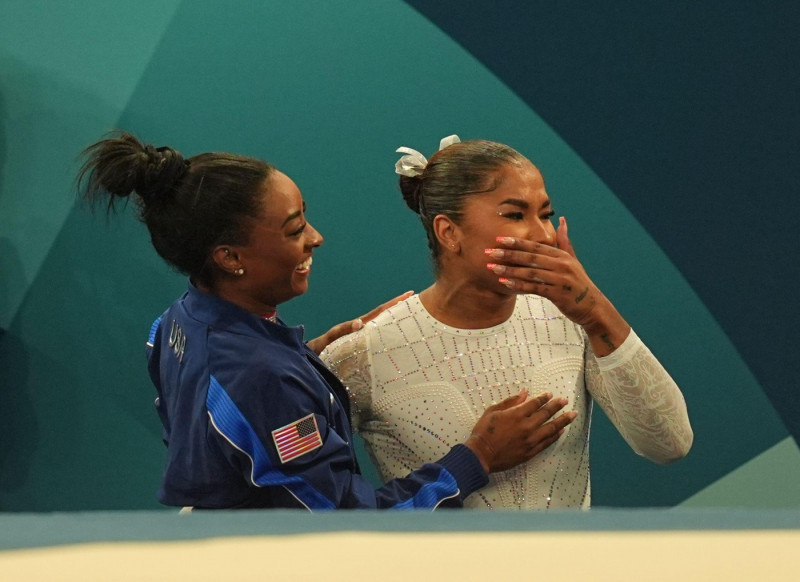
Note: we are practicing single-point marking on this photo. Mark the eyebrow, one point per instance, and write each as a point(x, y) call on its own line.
point(294, 215)
point(521, 203)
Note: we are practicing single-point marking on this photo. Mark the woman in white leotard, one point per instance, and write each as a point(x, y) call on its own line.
point(511, 308)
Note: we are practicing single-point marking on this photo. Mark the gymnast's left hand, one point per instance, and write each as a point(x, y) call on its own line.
point(553, 272)
point(320, 343)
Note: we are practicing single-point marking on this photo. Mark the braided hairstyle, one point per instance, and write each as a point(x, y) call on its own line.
point(190, 206)
point(451, 176)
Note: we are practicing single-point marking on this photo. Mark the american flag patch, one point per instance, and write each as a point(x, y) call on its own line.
point(298, 438)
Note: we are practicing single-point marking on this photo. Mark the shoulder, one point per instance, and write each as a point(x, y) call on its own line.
point(396, 325)
point(349, 347)
point(398, 313)
point(388, 324)
point(353, 353)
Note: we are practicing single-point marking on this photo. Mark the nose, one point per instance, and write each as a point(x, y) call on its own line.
point(543, 232)
point(314, 239)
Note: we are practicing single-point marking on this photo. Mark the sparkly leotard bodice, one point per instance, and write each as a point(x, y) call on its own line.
point(418, 387)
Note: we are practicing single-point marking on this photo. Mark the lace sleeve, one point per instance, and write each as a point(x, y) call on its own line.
point(641, 399)
point(348, 358)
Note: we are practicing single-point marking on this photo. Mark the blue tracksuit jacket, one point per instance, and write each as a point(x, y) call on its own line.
point(228, 381)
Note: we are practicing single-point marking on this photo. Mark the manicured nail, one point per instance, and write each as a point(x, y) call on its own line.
point(498, 269)
point(507, 282)
point(506, 240)
point(495, 253)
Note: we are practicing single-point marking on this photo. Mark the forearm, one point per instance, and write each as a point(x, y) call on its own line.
point(607, 329)
point(642, 401)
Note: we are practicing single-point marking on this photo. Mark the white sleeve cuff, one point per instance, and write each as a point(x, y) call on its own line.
point(622, 354)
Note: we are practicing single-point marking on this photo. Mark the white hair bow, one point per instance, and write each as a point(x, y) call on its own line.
point(413, 163)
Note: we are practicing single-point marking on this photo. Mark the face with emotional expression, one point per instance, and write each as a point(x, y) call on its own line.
point(277, 257)
point(518, 206)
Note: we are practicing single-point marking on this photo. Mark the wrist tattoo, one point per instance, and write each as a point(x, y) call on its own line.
point(582, 295)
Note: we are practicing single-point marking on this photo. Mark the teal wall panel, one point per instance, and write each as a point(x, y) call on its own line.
point(66, 72)
point(326, 91)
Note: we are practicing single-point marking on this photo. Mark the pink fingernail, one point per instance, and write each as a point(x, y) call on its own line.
point(506, 240)
point(507, 282)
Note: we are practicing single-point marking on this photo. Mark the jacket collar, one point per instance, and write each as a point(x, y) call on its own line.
point(220, 314)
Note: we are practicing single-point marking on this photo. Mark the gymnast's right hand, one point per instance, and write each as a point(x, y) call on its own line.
point(515, 430)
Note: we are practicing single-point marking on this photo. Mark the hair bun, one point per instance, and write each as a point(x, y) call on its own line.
point(121, 165)
point(163, 169)
point(411, 188)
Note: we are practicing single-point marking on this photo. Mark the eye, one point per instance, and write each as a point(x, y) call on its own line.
point(512, 215)
point(548, 215)
point(300, 230)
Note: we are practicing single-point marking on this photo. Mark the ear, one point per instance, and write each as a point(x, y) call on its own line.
point(226, 258)
point(448, 233)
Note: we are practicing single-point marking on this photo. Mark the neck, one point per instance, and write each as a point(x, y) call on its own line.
point(464, 306)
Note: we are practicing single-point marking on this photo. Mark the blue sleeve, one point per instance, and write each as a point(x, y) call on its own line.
point(326, 477)
point(153, 353)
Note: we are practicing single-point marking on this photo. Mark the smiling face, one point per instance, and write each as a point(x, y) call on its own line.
point(517, 207)
point(277, 257)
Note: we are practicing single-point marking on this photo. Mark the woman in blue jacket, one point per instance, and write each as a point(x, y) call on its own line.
point(251, 417)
